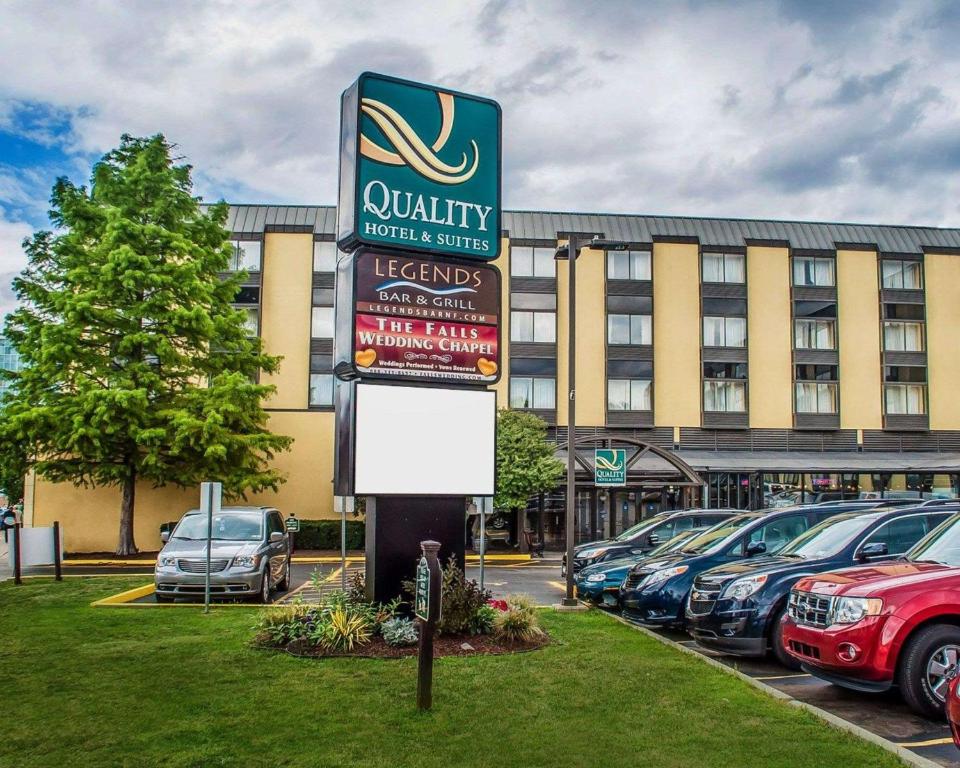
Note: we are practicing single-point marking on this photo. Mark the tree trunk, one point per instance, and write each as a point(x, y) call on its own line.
point(126, 545)
point(521, 528)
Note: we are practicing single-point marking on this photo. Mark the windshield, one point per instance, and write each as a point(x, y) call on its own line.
point(674, 543)
point(232, 526)
point(829, 537)
point(635, 530)
point(941, 545)
point(716, 535)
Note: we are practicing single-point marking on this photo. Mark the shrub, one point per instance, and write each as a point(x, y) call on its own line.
point(343, 628)
point(358, 587)
point(277, 625)
point(519, 623)
point(399, 632)
point(461, 599)
point(482, 621)
point(325, 534)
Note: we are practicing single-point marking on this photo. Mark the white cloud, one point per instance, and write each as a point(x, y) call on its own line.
point(12, 259)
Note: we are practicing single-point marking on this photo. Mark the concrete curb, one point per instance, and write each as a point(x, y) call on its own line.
point(908, 757)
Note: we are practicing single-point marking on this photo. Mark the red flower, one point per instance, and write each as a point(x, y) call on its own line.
point(500, 605)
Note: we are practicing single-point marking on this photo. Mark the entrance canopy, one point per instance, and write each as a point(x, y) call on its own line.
point(646, 464)
point(816, 461)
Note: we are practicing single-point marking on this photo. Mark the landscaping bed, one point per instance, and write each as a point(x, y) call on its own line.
point(462, 645)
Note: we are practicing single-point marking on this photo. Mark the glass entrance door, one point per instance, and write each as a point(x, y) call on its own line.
point(623, 511)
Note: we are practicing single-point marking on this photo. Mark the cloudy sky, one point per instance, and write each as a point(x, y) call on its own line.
point(803, 109)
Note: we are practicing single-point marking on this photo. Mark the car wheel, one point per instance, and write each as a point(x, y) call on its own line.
point(284, 584)
point(776, 643)
point(265, 586)
point(929, 660)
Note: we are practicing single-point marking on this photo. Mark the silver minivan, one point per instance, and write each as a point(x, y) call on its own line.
point(249, 555)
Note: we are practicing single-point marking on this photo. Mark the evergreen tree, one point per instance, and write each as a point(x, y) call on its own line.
point(135, 365)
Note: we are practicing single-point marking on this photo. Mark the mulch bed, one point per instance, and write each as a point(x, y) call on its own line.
point(442, 646)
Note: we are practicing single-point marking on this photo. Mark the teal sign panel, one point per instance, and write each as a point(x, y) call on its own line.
point(420, 169)
point(610, 466)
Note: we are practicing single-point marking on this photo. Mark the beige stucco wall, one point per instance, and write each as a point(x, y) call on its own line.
point(942, 276)
point(769, 335)
point(858, 301)
point(676, 334)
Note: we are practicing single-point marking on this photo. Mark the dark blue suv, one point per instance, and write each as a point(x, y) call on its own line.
point(655, 590)
point(736, 607)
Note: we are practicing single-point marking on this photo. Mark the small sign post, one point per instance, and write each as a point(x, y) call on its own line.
point(210, 495)
point(427, 608)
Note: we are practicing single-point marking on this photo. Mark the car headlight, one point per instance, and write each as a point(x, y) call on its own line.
point(591, 554)
point(246, 561)
point(595, 578)
point(658, 577)
point(741, 589)
point(166, 561)
point(850, 610)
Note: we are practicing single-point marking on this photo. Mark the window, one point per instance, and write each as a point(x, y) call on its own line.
point(724, 268)
point(902, 337)
point(899, 535)
point(725, 370)
point(528, 392)
point(903, 311)
point(629, 329)
point(904, 399)
point(251, 320)
point(628, 395)
point(809, 372)
point(778, 533)
point(724, 332)
point(814, 334)
point(901, 274)
point(321, 323)
point(321, 389)
point(275, 523)
point(725, 307)
point(725, 396)
point(905, 374)
point(247, 294)
point(532, 262)
point(628, 265)
point(533, 326)
point(813, 270)
point(816, 397)
point(246, 256)
point(324, 256)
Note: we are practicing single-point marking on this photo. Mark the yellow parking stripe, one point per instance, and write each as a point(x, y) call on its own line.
point(927, 743)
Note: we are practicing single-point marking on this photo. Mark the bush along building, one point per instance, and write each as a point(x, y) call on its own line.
point(742, 363)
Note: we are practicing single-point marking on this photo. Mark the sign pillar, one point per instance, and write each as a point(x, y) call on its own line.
point(427, 609)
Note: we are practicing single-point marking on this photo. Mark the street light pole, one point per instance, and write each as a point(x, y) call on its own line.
point(570, 600)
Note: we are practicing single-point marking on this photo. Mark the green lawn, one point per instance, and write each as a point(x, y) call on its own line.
point(172, 687)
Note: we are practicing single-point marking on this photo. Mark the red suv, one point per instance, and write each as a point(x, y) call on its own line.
point(872, 627)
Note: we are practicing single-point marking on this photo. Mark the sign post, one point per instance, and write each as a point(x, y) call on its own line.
point(427, 609)
point(210, 496)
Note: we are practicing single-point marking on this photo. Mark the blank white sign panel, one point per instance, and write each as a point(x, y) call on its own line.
point(415, 440)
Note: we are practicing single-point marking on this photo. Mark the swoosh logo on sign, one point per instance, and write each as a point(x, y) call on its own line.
point(435, 291)
point(608, 465)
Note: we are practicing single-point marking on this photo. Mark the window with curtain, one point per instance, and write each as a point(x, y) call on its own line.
point(814, 334)
point(533, 392)
point(628, 265)
point(896, 273)
point(813, 270)
point(816, 397)
point(251, 320)
point(533, 326)
point(723, 268)
point(321, 389)
point(324, 256)
point(903, 337)
point(321, 323)
point(246, 256)
point(629, 329)
point(629, 395)
point(724, 331)
point(904, 399)
point(725, 396)
point(526, 261)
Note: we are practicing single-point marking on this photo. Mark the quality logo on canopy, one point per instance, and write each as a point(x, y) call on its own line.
point(610, 466)
point(419, 169)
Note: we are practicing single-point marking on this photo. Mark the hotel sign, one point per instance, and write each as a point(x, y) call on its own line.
point(404, 317)
point(419, 169)
point(610, 466)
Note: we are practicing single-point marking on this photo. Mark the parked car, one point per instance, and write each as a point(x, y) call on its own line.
point(873, 627)
point(953, 707)
point(737, 607)
point(249, 556)
point(655, 590)
point(601, 582)
point(644, 536)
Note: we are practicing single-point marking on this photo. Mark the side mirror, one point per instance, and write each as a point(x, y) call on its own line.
point(653, 539)
point(276, 537)
point(876, 549)
point(165, 536)
point(756, 548)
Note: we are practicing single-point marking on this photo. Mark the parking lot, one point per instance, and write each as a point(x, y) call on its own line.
point(882, 714)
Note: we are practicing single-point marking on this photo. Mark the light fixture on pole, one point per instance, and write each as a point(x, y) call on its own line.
point(569, 253)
